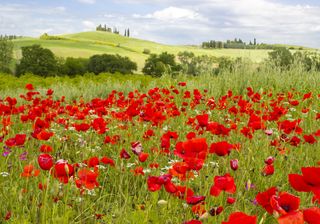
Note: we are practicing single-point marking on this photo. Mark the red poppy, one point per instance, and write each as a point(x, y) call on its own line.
point(193, 200)
point(234, 164)
point(263, 199)
point(221, 148)
point(18, 140)
point(268, 170)
point(107, 161)
point(295, 217)
point(87, 179)
point(143, 157)
point(63, 171)
point(240, 217)
point(284, 203)
point(45, 161)
point(46, 148)
point(312, 215)
point(124, 154)
point(223, 183)
point(308, 181)
point(216, 211)
point(30, 171)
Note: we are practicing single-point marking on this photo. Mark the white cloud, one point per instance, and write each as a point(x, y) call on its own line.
point(87, 1)
point(88, 25)
point(173, 13)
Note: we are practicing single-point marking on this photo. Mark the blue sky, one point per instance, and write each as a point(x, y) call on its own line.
point(170, 21)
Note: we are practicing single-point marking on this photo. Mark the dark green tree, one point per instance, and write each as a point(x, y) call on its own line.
point(6, 54)
point(75, 66)
point(157, 65)
point(111, 63)
point(37, 60)
point(281, 57)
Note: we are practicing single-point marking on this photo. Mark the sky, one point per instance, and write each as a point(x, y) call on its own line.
point(182, 22)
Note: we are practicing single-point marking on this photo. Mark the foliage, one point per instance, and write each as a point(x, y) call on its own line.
point(158, 65)
point(37, 60)
point(45, 36)
point(281, 57)
point(75, 66)
point(111, 63)
point(6, 54)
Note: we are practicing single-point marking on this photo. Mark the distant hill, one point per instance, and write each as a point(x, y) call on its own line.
point(86, 44)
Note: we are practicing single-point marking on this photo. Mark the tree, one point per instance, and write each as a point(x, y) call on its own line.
point(37, 60)
point(157, 65)
point(111, 63)
point(125, 33)
point(6, 54)
point(128, 33)
point(75, 66)
point(281, 57)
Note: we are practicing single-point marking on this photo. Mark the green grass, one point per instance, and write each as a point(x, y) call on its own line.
point(87, 44)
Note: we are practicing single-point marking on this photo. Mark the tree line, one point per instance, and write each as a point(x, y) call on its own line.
point(237, 43)
point(41, 61)
point(115, 30)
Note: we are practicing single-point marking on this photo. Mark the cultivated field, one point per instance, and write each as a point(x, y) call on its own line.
point(89, 43)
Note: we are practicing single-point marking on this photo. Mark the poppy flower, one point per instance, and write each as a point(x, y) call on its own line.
point(231, 200)
point(295, 217)
point(308, 181)
point(268, 170)
point(312, 215)
point(143, 157)
point(107, 161)
point(193, 200)
point(263, 199)
point(124, 154)
point(30, 171)
point(223, 183)
point(240, 217)
point(234, 164)
point(221, 148)
point(18, 140)
point(136, 148)
point(284, 203)
point(87, 179)
point(215, 211)
point(45, 161)
point(63, 171)
point(46, 148)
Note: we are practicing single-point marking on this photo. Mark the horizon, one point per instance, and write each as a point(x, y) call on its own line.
point(173, 22)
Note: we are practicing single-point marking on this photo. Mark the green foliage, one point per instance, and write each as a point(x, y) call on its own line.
point(6, 54)
point(37, 60)
point(146, 51)
point(111, 63)
point(281, 57)
point(158, 65)
point(197, 65)
point(75, 66)
point(45, 36)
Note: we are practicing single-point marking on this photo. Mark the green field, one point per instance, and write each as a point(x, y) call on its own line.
point(87, 44)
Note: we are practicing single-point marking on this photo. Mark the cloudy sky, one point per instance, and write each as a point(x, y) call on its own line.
point(170, 21)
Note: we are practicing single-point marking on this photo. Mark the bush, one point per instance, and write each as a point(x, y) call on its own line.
point(157, 65)
point(146, 51)
point(281, 57)
point(37, 60)
point(75, 66)
point(111, 63)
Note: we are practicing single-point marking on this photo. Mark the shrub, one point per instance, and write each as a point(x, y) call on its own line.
point(37, 60)
point(146, 51)
point(157, 65)
point(111, 63)
point(281, 57)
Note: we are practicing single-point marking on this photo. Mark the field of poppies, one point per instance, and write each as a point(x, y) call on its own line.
point(175, 152)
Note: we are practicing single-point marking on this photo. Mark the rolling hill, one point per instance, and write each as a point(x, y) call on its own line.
point(86, 44)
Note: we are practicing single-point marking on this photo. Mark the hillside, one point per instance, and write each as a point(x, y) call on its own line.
point(86, 44)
